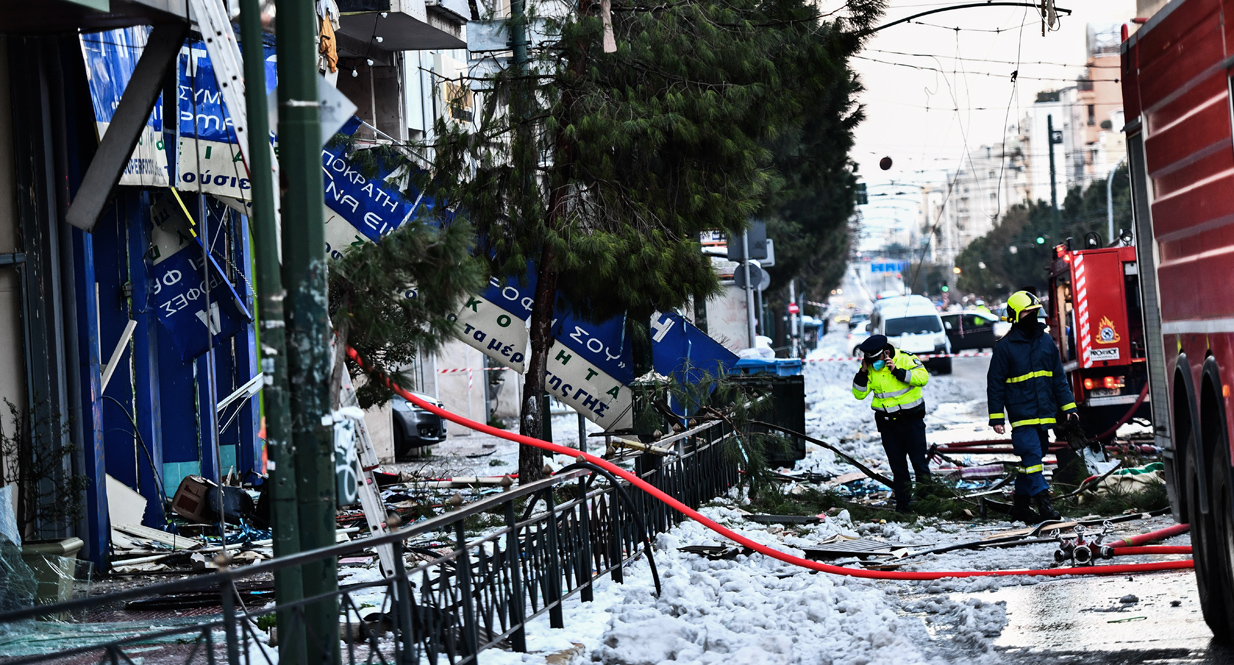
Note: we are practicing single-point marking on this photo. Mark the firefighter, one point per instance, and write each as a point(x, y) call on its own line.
point(895, 378)
point(1026, 376)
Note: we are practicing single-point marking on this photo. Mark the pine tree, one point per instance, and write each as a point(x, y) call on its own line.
point(604, 167)
point(813, 198)
point(395, 299)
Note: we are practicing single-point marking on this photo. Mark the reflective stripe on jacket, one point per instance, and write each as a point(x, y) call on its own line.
point(891, 394)
point(1026, 378)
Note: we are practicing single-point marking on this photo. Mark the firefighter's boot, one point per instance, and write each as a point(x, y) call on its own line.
point(1021, 511)
point(1042, 499)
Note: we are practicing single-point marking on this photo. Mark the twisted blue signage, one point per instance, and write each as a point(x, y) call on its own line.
point(181, 290)
point(590, 367)
point(110, 58)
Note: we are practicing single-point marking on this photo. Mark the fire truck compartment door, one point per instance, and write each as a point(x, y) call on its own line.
point(1100, 309)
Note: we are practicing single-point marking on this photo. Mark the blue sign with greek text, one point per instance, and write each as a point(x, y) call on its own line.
point(604, 344)
point(180, 288)
point(110, 58)
point(511, 295)
point(181, 295)
point(202, 114)
point(373, 206)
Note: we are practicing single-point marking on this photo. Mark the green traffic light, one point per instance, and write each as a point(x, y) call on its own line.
point(945, 289)
point(1040, 240)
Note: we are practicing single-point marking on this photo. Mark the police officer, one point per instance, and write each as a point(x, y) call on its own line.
point(1026, 377)
point(895, 378)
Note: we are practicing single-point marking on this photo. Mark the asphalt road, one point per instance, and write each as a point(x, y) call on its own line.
point(1081, 620)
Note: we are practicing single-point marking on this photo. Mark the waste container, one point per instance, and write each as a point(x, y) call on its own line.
point(780, 378)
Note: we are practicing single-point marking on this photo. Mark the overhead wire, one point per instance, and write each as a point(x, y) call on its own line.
point(1018, 63)
point(1006, 116)
point(971, 108)
point(951, 181)
point(1053, 79)
point(996, 31)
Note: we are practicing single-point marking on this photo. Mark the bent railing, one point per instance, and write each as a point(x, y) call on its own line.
point(451, 596)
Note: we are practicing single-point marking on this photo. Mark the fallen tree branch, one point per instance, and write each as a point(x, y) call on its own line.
point(873, 475)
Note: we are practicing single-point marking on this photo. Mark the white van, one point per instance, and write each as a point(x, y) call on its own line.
point(912, 324)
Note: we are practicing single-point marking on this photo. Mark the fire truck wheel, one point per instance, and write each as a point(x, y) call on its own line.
point(1204, 547)
point(1222, 515)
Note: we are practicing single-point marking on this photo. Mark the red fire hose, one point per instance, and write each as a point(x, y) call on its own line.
point(1151, 536)
point(1120, 569)
point(1152, 549)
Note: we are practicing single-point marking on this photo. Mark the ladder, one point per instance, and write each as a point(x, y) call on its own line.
point(370, 496)
point(215, 25)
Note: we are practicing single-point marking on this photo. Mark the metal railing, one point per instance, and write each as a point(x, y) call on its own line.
point(556, 537)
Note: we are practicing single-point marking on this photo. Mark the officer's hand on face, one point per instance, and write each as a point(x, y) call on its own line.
point(1000, 429)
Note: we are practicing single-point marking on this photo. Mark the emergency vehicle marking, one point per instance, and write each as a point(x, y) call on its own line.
point(1081, 304)
point(1104, 354)
point(1106, 334)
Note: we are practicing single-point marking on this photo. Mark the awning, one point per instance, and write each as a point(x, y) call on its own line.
point(398, 32)
point(67, 16)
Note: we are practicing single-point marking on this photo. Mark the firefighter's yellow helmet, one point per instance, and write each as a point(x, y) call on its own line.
point(1021, 302)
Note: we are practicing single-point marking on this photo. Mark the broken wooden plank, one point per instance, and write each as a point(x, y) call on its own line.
point(144, 532)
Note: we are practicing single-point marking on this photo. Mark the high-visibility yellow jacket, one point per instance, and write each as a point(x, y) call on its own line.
point(891, 394)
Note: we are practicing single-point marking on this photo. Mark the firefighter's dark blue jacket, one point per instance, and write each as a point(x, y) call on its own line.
point(1026, 378)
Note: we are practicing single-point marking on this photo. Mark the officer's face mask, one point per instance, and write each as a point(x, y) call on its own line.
point(879, 364)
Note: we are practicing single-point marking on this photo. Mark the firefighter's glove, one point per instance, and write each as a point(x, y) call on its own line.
point(862, 378)
point(1074, 418)
point(900, 373)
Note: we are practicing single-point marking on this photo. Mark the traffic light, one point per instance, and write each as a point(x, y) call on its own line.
point(1040, 240)
point(862, 197)
point(945, 289)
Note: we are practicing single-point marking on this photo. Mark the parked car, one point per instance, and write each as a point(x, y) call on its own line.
point(415, 427)
point(858, 320)
point(973, 330)
point(912, 324)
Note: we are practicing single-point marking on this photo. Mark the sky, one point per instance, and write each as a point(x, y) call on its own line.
point(911, 114)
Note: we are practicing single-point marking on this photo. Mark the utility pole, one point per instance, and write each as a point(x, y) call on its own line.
point(307, 319)
point(284, 518)
point(1049, 130)
point(745, 265)
point(518, 35)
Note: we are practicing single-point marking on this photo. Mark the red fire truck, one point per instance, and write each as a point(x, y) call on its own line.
point(1176, 77)
point(1094, 315)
